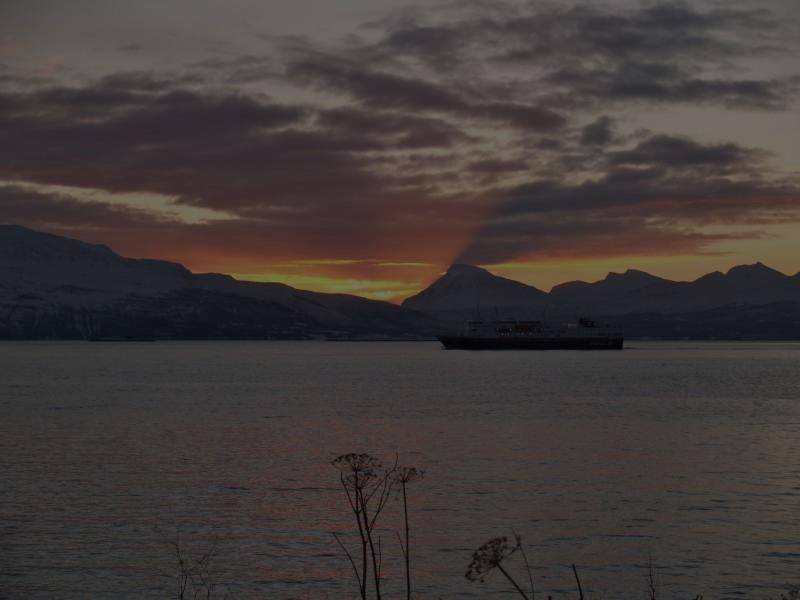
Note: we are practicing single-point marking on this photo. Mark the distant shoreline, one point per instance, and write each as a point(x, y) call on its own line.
point(366, 340)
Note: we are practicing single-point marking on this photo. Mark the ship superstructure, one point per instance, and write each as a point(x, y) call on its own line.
point(585, 334)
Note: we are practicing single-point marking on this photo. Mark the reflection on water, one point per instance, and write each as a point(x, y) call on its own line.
point(688, 453)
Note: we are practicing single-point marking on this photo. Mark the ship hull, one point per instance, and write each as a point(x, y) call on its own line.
point(460, 342)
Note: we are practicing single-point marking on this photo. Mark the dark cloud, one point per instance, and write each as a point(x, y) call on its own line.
point(384, 90)
point(668, 52)
point(374, 89)
point(657, 197)
point(434, 44)
point(661, 83)
point(563, 237)
point(396, 129)
point(175, 117)
point(671, 151)
point(137, 114)
point(497, 166)
point(599, 132)
point(521, 116)
point(237, 70)
point(13, 79)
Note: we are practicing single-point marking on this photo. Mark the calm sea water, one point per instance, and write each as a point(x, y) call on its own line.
point(686, 453)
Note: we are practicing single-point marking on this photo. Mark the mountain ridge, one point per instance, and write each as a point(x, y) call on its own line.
point(54, 287)
point(617, 293)
point(57, 287)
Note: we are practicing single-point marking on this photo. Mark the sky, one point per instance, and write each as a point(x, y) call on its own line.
point(362, 146)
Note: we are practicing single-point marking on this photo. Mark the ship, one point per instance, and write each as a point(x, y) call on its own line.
point(585, 334)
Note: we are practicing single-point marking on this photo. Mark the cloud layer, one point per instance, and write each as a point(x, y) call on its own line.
point(486, 132)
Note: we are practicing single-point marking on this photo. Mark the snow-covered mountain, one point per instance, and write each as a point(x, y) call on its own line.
point(466, 292)
point(75, 273)
point(52, 286)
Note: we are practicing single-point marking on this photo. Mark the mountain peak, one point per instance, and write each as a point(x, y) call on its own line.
point(38, 260)
point(465, 268)
point(12, 227)
point(464, 287)
point(713, 277)
point(758, 269)
point(16, 240)
point(631, 275)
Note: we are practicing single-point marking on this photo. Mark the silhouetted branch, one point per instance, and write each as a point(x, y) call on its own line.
point(651, 579)
point(513, 582)
point(350, 558)
point(400, 541)
point(527, 566)
point(405, 475)
point(578, 581)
